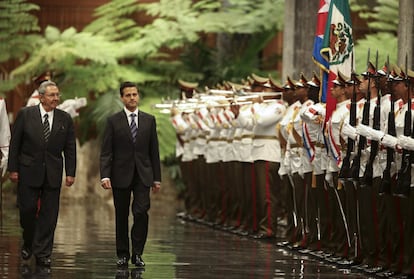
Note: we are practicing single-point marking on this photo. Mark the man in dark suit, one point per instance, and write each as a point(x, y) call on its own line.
point(40, 135)
point(130, 163)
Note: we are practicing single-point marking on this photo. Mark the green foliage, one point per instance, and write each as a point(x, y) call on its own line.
point(18, 37)
point(173, 165)
point(211, 68)
point(165, 131)
point(114, 20)
point(385, 43)
point(114, 47)
point(383, 19)
point(16, 28)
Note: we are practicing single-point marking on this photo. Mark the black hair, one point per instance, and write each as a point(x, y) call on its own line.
point(126, 84)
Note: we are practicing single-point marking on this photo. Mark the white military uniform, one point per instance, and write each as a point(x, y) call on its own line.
point(266, 146)
point(313, 116)
point(266, 154)
point(71, 106)
point(335, 138)
point(4, 137)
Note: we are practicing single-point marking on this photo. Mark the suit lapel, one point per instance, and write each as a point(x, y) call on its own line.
point(141, 124)
point(123, 118)
point(57, 123)
point(37, 122)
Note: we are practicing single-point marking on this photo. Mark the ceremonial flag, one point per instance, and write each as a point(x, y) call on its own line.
point(317, 57)
point(337, 46)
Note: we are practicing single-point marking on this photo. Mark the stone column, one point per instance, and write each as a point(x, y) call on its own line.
point(406, 33)
point(299, 31)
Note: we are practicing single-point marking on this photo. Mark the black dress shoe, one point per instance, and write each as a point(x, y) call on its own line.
point(386, 274)
point(375, 269)
point(44, 262)
point(42, 272)
point(122, 262)
point(25, 270)
point(263, 236)
point(347, 263)
point(26, 253)
point(138, 261)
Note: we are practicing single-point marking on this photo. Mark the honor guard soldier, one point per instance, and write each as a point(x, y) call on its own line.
point(313, 120)
point(243, 141)
point(351, 206)
point(71, 106)
point(266, 156)
point(311, 131)
point(400, 222)
point(187, 90)
point(181, 127)
point(294, 225)
point(370, 173)
point(407, 143)
point(337, 150)
point(4, 139)
point(215, 165)
point(298, 164)
point(199, 116)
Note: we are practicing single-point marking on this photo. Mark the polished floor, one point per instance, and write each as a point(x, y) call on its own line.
point(84, 248)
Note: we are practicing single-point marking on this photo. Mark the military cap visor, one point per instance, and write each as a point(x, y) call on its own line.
point(338, 83)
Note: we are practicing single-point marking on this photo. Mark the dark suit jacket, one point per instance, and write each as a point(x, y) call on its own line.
point(32, 157)
point(120, 156)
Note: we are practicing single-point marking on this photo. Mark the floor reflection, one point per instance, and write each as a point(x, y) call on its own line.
point(85, 248)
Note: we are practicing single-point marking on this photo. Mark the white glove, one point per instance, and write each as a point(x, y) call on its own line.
point(320, 109)
point(329, 179)
point(406, 142)
point(368, 132)
point(81, 102)
point(389, 141)
point(349, 131)
point(3, 167)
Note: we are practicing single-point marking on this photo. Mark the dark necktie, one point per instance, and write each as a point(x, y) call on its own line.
point(133, 126)
point(46, 127)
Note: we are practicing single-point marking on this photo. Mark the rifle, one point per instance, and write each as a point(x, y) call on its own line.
point(345, 171)
point(385, 186)
point(356, 162)
point(404, 174)
point(368, 174)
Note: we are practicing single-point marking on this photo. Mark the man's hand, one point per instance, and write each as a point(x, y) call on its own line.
point(156, 187)
point(70, 180)
point(14, 176)
point(106, 183)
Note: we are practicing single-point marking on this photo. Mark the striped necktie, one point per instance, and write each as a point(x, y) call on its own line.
point(46, 127)
point(133, 126)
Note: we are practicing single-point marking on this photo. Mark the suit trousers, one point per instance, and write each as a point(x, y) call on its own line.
point(140, 207)
point(39, 209)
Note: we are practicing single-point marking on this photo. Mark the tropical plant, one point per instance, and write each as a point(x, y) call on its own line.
point(116, 46)
point(383, 20)
point(18, 36)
